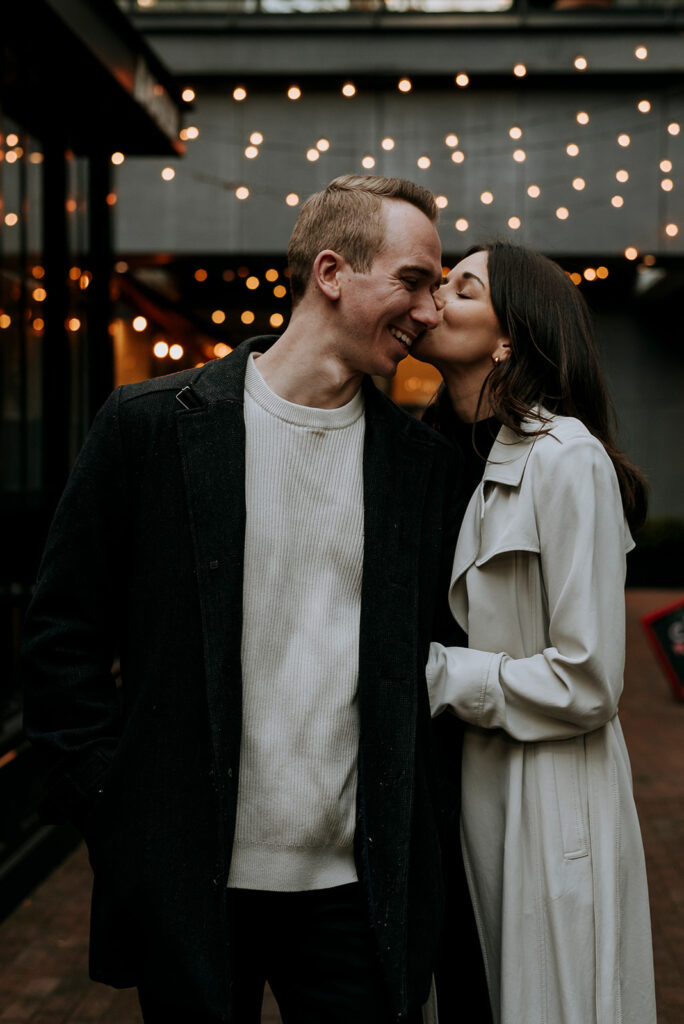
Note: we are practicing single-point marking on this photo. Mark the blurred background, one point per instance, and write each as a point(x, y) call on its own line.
point(153, 157)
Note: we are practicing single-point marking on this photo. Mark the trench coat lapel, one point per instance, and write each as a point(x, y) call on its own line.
point(506, 466)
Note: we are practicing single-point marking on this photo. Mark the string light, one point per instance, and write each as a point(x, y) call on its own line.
point(349, 89)
point(562, 213)
point(667, 184)
point(387, 144)
point(582, 117)
point(247, 316)
point(423, 162)
point(111, 198)
point(161, 349)
point(572, 149)
point(176, 351)
point(39, 295)
point(38, 324)
point(576, 278)
point(12, 139)
point(462, 80)
point(617, 202)
point(519, 70)
point(201, 274)
point(520, 156)
point(218, 316)
point(487, 198)
point(239, 94)
point(602, 273)
point(578, 184)
point(38, 272)
point(451, 140)
point(192, 132)
point(631, 253)
point(458, 156)
point(666, 166)
point(221, 350)
point(514, 223)
point(515, 132)
point(74, 324)
point(256, 138)
point(673, 128)
point(623, 140)
point(117, 158)
point(294, 92)
point(622, 175)
point(368, 162)
point(643, 106)
point(242, 192)
point(292, 199)
point(589, 274)
point(671, 230)
point(641, 53)
point(461, 224)
point(252, 152)
point(276, 319)
point(5, 321)
point(252, 283)
point(404, 85)
point(11, 219)
point(280, 291)
point(323, 145)
point(533, 191)
point(271, 274)
point(441, 202)
point(188, 95)
point(168, 174)
point(139, 324)
point(581, 63)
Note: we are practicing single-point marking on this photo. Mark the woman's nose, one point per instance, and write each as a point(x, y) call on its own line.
point(440, 298)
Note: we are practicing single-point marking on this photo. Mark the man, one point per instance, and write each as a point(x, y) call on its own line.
point(263, 542)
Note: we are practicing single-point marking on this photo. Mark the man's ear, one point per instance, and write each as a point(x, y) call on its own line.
point(326, 272)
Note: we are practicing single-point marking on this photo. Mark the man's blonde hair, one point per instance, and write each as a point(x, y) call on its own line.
point(346, 217)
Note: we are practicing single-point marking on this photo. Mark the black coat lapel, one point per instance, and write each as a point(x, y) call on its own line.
point(397, 467)
point(211, 436)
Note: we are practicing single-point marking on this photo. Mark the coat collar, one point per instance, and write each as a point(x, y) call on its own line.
point(511, 450)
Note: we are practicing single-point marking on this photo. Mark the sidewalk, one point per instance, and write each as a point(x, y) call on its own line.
point(43, 945)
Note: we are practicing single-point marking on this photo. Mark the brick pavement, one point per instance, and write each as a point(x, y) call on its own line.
point(43, 945)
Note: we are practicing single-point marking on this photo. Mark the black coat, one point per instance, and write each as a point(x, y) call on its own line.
point(144, 560)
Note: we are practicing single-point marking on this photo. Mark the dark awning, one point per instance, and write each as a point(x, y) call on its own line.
point(79, 72)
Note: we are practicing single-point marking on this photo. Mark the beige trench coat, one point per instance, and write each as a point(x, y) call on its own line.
point(550, 834)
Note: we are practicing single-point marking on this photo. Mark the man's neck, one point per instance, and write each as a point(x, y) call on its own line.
point(303, 371)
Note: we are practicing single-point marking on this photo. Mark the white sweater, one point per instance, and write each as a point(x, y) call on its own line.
point(300, 643)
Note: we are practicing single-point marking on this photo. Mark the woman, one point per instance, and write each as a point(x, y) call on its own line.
point(549, 830)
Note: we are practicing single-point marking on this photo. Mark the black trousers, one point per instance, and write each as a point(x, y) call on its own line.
point(316, 951)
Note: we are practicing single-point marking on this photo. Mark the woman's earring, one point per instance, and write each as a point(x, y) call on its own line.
point(496, 360)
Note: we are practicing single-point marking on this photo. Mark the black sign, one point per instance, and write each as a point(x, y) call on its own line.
point(665, 631)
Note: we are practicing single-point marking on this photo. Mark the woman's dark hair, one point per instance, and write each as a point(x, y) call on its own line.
point(554, 362)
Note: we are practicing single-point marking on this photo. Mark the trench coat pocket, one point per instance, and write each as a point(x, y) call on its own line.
point(563, 764)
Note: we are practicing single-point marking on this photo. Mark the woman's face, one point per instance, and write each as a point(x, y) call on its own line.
point(468, 336)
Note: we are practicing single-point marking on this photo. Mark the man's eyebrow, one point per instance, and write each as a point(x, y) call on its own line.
point(422, 272)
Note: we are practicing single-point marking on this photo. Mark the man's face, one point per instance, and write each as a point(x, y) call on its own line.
point(386, 310)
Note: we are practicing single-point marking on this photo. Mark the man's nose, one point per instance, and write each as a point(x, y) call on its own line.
point(427, 311)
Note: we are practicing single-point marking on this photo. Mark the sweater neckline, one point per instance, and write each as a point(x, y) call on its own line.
point(299, 415)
